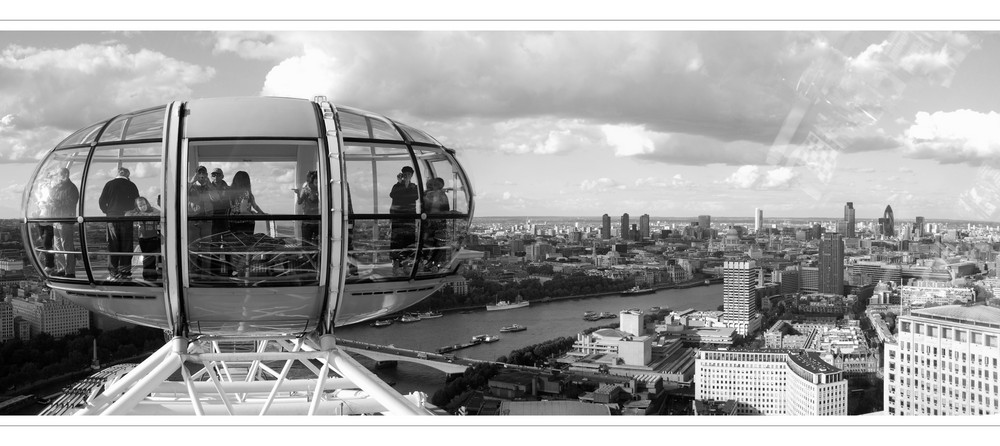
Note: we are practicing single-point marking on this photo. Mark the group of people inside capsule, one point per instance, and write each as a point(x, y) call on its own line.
point(219, 199)
point(119, 198)
point(404, 196)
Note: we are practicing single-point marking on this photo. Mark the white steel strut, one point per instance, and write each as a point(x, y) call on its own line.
point(215, 375)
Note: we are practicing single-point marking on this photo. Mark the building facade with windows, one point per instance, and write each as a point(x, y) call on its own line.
point(6, 321)
point(739, 297)
point(771, 382)
point(57, 317)
point(944, 362)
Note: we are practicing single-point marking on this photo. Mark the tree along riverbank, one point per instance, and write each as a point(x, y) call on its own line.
point(428, 304)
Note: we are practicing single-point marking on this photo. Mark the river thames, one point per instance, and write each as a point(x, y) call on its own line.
point(545, 321)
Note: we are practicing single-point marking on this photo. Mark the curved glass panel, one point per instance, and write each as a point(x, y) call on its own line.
point(354, 124)
point(444, 200)
point(55, 196)
point(418, 135)
point(253, 214)
point(147, 125)
point(123, 188)
point(386, 206)
point(82, 136)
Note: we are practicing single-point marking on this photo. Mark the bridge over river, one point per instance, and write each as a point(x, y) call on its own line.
point(447, 363)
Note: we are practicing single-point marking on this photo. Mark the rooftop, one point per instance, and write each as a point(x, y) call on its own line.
point(552, 408)
point(976, 314)
point(812, 362)
point(610, 333)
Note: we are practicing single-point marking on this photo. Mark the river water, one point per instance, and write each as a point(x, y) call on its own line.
point(545, 321)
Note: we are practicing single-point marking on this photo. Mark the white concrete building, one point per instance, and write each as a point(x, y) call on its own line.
point(632, 322)
point(945, 362)
point(771, 382)
point(57, 317)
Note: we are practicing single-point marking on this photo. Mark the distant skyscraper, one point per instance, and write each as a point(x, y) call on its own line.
point(739, 296)
point(644, 227)
point(919, 228)
point(817, 231)
point(605, 227)
point(705, 222)
point(758, 219)
point(831, 264)
point(624, 230)
point(849, 218)
point(887, 223)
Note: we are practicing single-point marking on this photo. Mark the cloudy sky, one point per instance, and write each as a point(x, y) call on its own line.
point(580, 123)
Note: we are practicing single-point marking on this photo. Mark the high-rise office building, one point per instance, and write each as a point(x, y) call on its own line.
point(739, 305)
point(605, 227)
point(831, 264)
point(944, 362)
point(624, 230)
point(849, 219)
point(887, 223)
point(919, 227)
point(705, 223)
point(758, 219)
point(644, 227)
point(6, 321)
point(771, 382)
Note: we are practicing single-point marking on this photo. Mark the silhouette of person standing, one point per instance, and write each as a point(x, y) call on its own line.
point(402, 231)
point(117, 198)
point(65, 196)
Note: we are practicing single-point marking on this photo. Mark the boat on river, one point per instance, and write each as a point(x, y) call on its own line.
point(382, 323)
point(487, 338)
point(409, 318)
point(430, 315)
point(635, 291)
point(504, 305)
point(513, 328)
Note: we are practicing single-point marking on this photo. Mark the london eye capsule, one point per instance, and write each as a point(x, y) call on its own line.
point(247, 216)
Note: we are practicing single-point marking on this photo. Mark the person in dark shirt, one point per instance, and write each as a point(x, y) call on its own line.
point(218, 192)
point(435, 201)
point(65, 196)
point(308, 198)
point(402, 232)
point(117, 198)
point(199, 231)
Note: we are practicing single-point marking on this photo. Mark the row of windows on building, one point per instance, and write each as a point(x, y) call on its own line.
point(950, 334)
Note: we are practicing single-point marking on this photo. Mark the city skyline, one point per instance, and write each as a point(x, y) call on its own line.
point(792, 122)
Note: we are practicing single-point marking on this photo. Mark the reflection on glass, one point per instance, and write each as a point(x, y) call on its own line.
point(251, 231)
point(375, 255)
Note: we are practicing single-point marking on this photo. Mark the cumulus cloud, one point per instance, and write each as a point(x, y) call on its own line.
point(961, 136)
point(726, 85)
point(258, 45)
point(679, 182)
point(600, 185)
point(628, 140)
point(751, 177)
point(47, 93)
